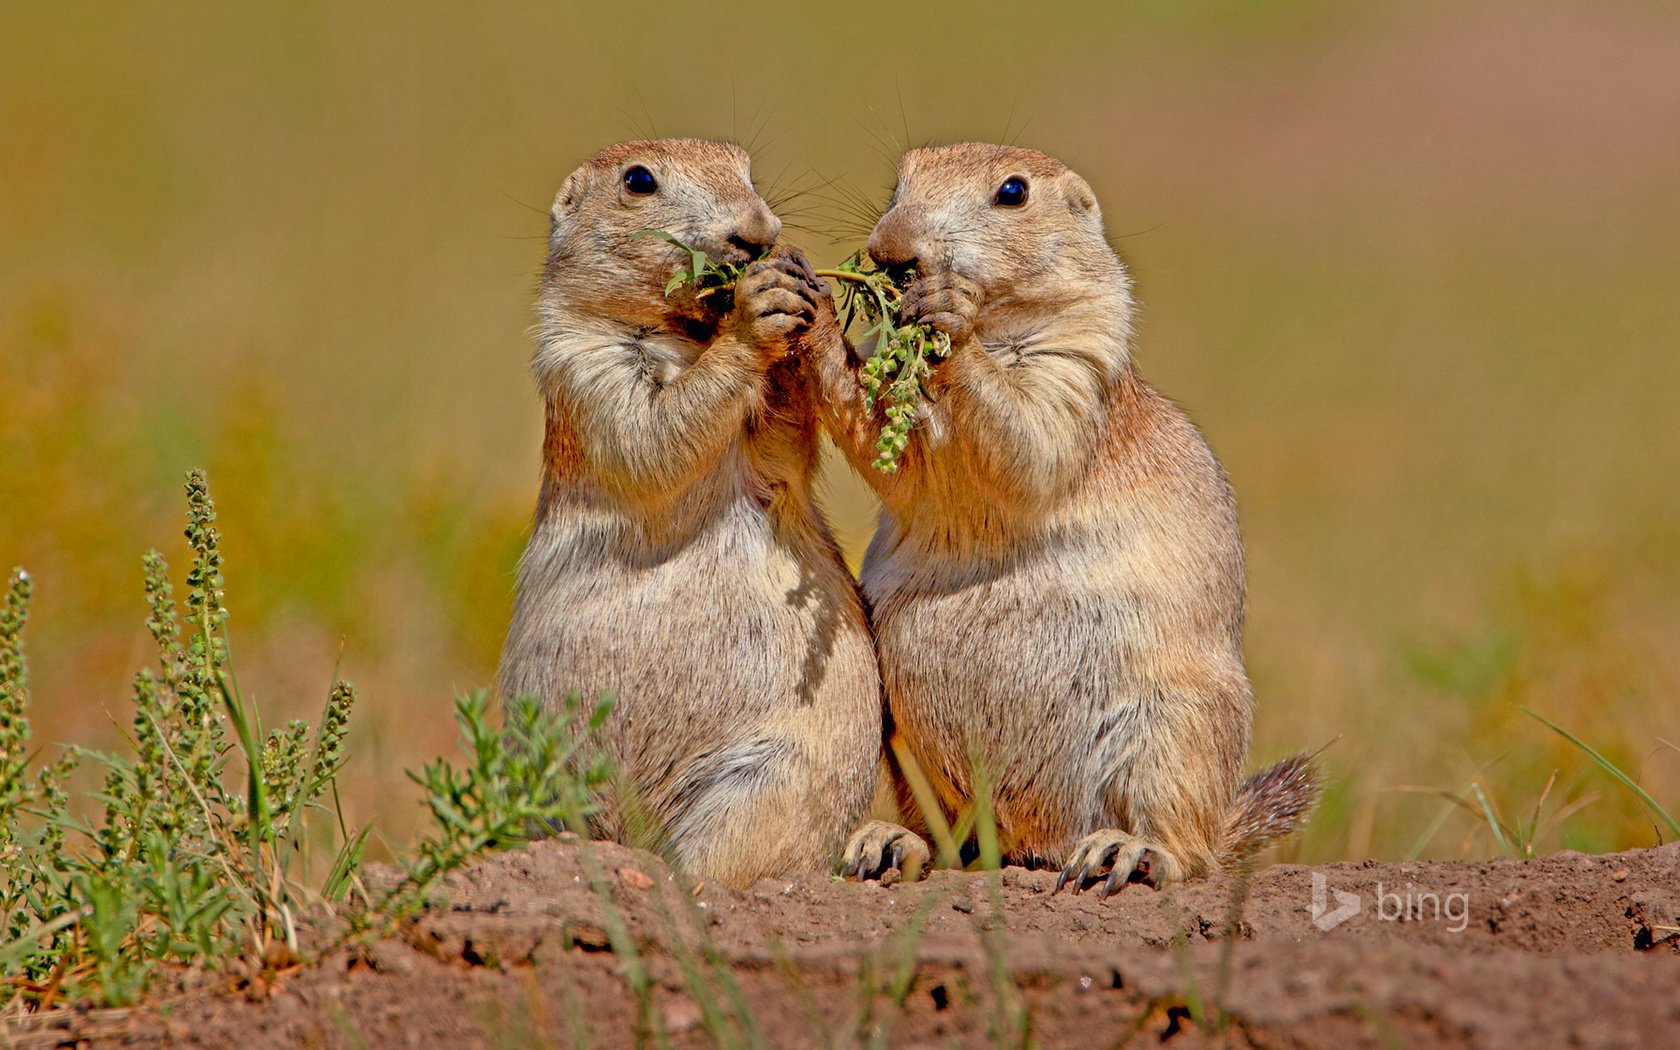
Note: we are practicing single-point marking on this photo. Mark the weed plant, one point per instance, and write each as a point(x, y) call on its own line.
point(196, 847)
point(192, 852)
point(533, 774)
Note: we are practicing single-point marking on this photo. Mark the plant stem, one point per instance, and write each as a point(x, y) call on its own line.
point(844, 275)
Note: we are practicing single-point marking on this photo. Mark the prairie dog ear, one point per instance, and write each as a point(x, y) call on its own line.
point(1079, 196)
point(566, 201)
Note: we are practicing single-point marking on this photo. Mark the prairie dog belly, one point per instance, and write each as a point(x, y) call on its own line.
point(1028, 665)
point(703, 640)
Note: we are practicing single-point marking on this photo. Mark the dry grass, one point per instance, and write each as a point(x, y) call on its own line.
point(1411, 267)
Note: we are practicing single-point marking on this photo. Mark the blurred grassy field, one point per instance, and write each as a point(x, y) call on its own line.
point(1415, 268)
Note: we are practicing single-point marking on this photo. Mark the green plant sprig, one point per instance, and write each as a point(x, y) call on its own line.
point(706, 276)
point(903, 357)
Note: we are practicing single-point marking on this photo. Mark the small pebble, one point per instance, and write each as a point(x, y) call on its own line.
point(680, 1016)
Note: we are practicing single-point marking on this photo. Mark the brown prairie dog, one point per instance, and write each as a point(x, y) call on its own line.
point(1057, 583)
point(676, 560)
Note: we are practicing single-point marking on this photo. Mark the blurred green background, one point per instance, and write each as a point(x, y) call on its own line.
point(1414, 267)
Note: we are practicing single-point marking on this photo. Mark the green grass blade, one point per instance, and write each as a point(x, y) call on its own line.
point(1611, 768)
point(1493, 821)
point(349, 858)
point(1431, 831)
point(933, 814)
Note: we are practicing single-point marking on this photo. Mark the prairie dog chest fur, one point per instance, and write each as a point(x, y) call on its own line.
point(1050, 628)
point(662, 358)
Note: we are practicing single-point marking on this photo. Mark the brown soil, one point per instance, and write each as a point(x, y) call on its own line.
point(1566, 950)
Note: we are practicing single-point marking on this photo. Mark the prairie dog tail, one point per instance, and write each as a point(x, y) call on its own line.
point(1269, 805)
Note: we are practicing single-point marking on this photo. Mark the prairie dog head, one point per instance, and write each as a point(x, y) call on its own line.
point(1017, 222)
point(700, 192)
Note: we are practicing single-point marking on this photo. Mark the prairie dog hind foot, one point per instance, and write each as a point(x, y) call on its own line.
point(1123, 858)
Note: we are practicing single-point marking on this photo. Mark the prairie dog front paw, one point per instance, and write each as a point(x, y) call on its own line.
point(947, 301)
point(774, 303)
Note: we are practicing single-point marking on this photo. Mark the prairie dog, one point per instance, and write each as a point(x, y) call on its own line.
point(1057, 583)
point(676, 560)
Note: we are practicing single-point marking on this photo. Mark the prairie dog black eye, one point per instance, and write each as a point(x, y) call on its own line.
point(1013, 192)
point(640, 181)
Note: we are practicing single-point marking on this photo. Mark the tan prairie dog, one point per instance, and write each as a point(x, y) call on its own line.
point(676, 560)
point(1057, 585)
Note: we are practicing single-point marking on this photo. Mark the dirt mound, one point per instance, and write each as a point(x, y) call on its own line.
point(1569, 949)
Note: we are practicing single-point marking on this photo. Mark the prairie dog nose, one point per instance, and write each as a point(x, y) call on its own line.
point(893, 242)
point(756, 232)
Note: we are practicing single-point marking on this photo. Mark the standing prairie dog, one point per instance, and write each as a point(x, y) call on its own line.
point(1057, 583)
point(676, 560)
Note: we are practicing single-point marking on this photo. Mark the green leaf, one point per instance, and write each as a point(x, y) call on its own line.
point(662, 235)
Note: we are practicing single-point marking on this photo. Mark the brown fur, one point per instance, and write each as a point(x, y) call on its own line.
point(676, 559)
point(1057, 583)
